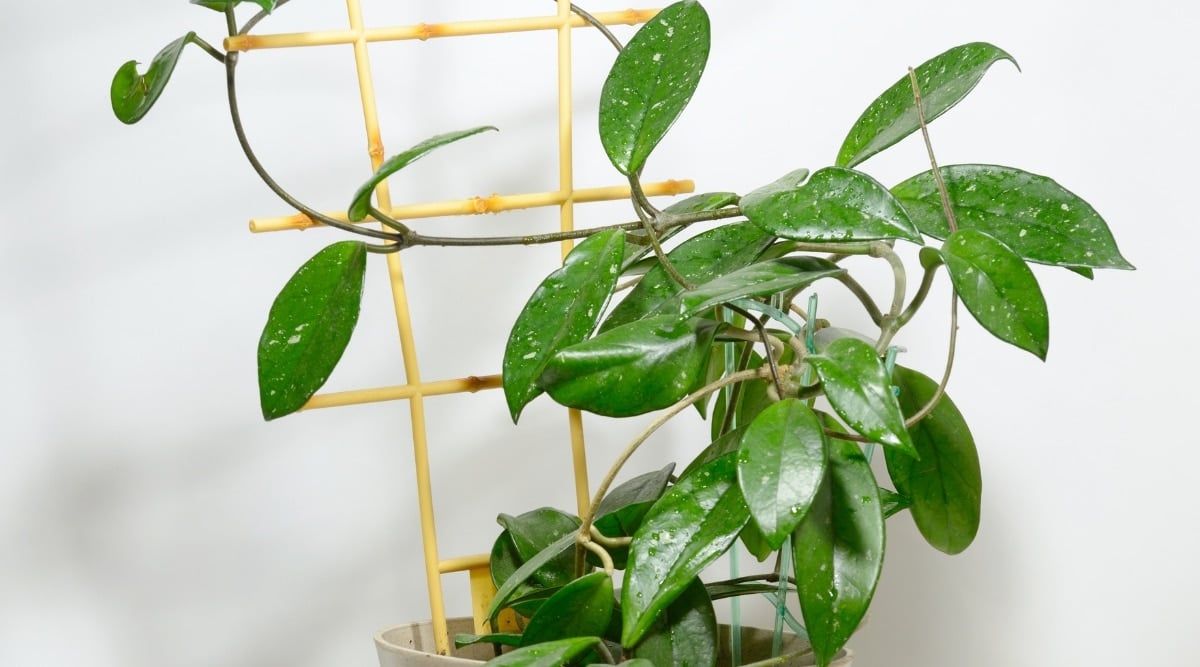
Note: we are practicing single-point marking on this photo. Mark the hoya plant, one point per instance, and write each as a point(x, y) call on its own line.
point(724, 323)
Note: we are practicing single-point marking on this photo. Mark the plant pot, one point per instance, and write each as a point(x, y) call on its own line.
point(412, 645)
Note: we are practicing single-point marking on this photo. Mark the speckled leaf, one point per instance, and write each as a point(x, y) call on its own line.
point(582, 608)
point(563, 311)
point(699, 259)
point(533, 531)
point(691, 526)
point(999, 289)
point(944, 488)
point(504, 560)
point(760, 279)
point(944, 80)
point(857, 386)
point(638, 246)
point(835, 204)
point(722, 445)
point(686, 634)
point(651, 82)
point(1039, 219)
point(220, 5)
point(361, 201)
point(132, 94)
point(309, 327)
point(838, 551)
point(633, 369)
point(781, 463)
point(550, 654)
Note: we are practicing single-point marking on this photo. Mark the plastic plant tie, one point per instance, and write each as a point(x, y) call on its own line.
point(781, 610)
point(774, 313)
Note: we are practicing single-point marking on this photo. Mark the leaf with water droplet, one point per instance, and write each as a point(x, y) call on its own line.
point(309, 326)
point(944, 80)
point(834, 205)
point(857, 386)
point(1039, 219)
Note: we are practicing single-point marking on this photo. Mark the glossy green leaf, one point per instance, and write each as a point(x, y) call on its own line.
point(582, 608)
point(633, 369)
point(1039, 219)
point(945, 486)
point(944, 80)
point(699, 260)
point(756, 543)
point(781, 463)
point(563, 311)
point(132, 94)
point(638, 245)
point(650, 83)
point(762, 279)
point(361, 202)
point(309, 326)
point(503, 638)
point(503, 561)
point(685, 634)
point(857, 386)
point(622, 510)
point(550, 654)
point(723, 445)
point(838, 551)
point(834, 205)
point(220, 5)
point(691, 526)
point(518, 579)
point(893, 503)
point(533, 531)
point(999, 289)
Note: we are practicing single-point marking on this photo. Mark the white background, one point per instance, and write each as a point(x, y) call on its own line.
point(149, 517)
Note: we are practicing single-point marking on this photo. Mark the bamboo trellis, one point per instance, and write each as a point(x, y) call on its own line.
point(414, 390)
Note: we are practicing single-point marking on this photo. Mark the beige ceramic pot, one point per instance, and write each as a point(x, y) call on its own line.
point(412, 645)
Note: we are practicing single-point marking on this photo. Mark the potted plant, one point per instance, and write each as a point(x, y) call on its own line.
point(725, 321)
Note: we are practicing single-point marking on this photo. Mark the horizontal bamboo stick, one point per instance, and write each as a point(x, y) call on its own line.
point(465, 385)
point(424, 31)
point(480, 205)
point(463, 563)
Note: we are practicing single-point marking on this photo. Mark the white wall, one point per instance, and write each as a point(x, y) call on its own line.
point(149, 517)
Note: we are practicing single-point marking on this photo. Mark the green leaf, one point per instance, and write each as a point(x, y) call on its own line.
point(633, 369)
point(549, 654)
point(721, 446)
point(756, 543)
point(686, 634)
point(945, 487)
point(132, 94)
point(838, 551)
point(533, 531)
point(220, 5)
point(361, 201)
point(699, 260)
point(638, 245)
point(502, 563)
point(503, 638)
point(857, 386)
point(999, 289)
point(622, 510)
point(761, 279)
point(1039, 219)
point(834, 205)
point(780, 465)
point(309, 326)
point(522, 574)
point(563, 311)
point(943, 80)
point(893, 503)
point(691, 526)
point(582, 608)
point(651, 81)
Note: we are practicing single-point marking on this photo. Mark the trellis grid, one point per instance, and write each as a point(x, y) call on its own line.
point(414, 390)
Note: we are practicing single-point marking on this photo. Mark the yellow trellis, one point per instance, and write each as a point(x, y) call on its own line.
point(414, 389)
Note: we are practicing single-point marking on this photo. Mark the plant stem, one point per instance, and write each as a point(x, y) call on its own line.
point(919, 297)
point(681, 405)
point(937, 173)
point(863, 296)
point(598, 25)
point(209, 48)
